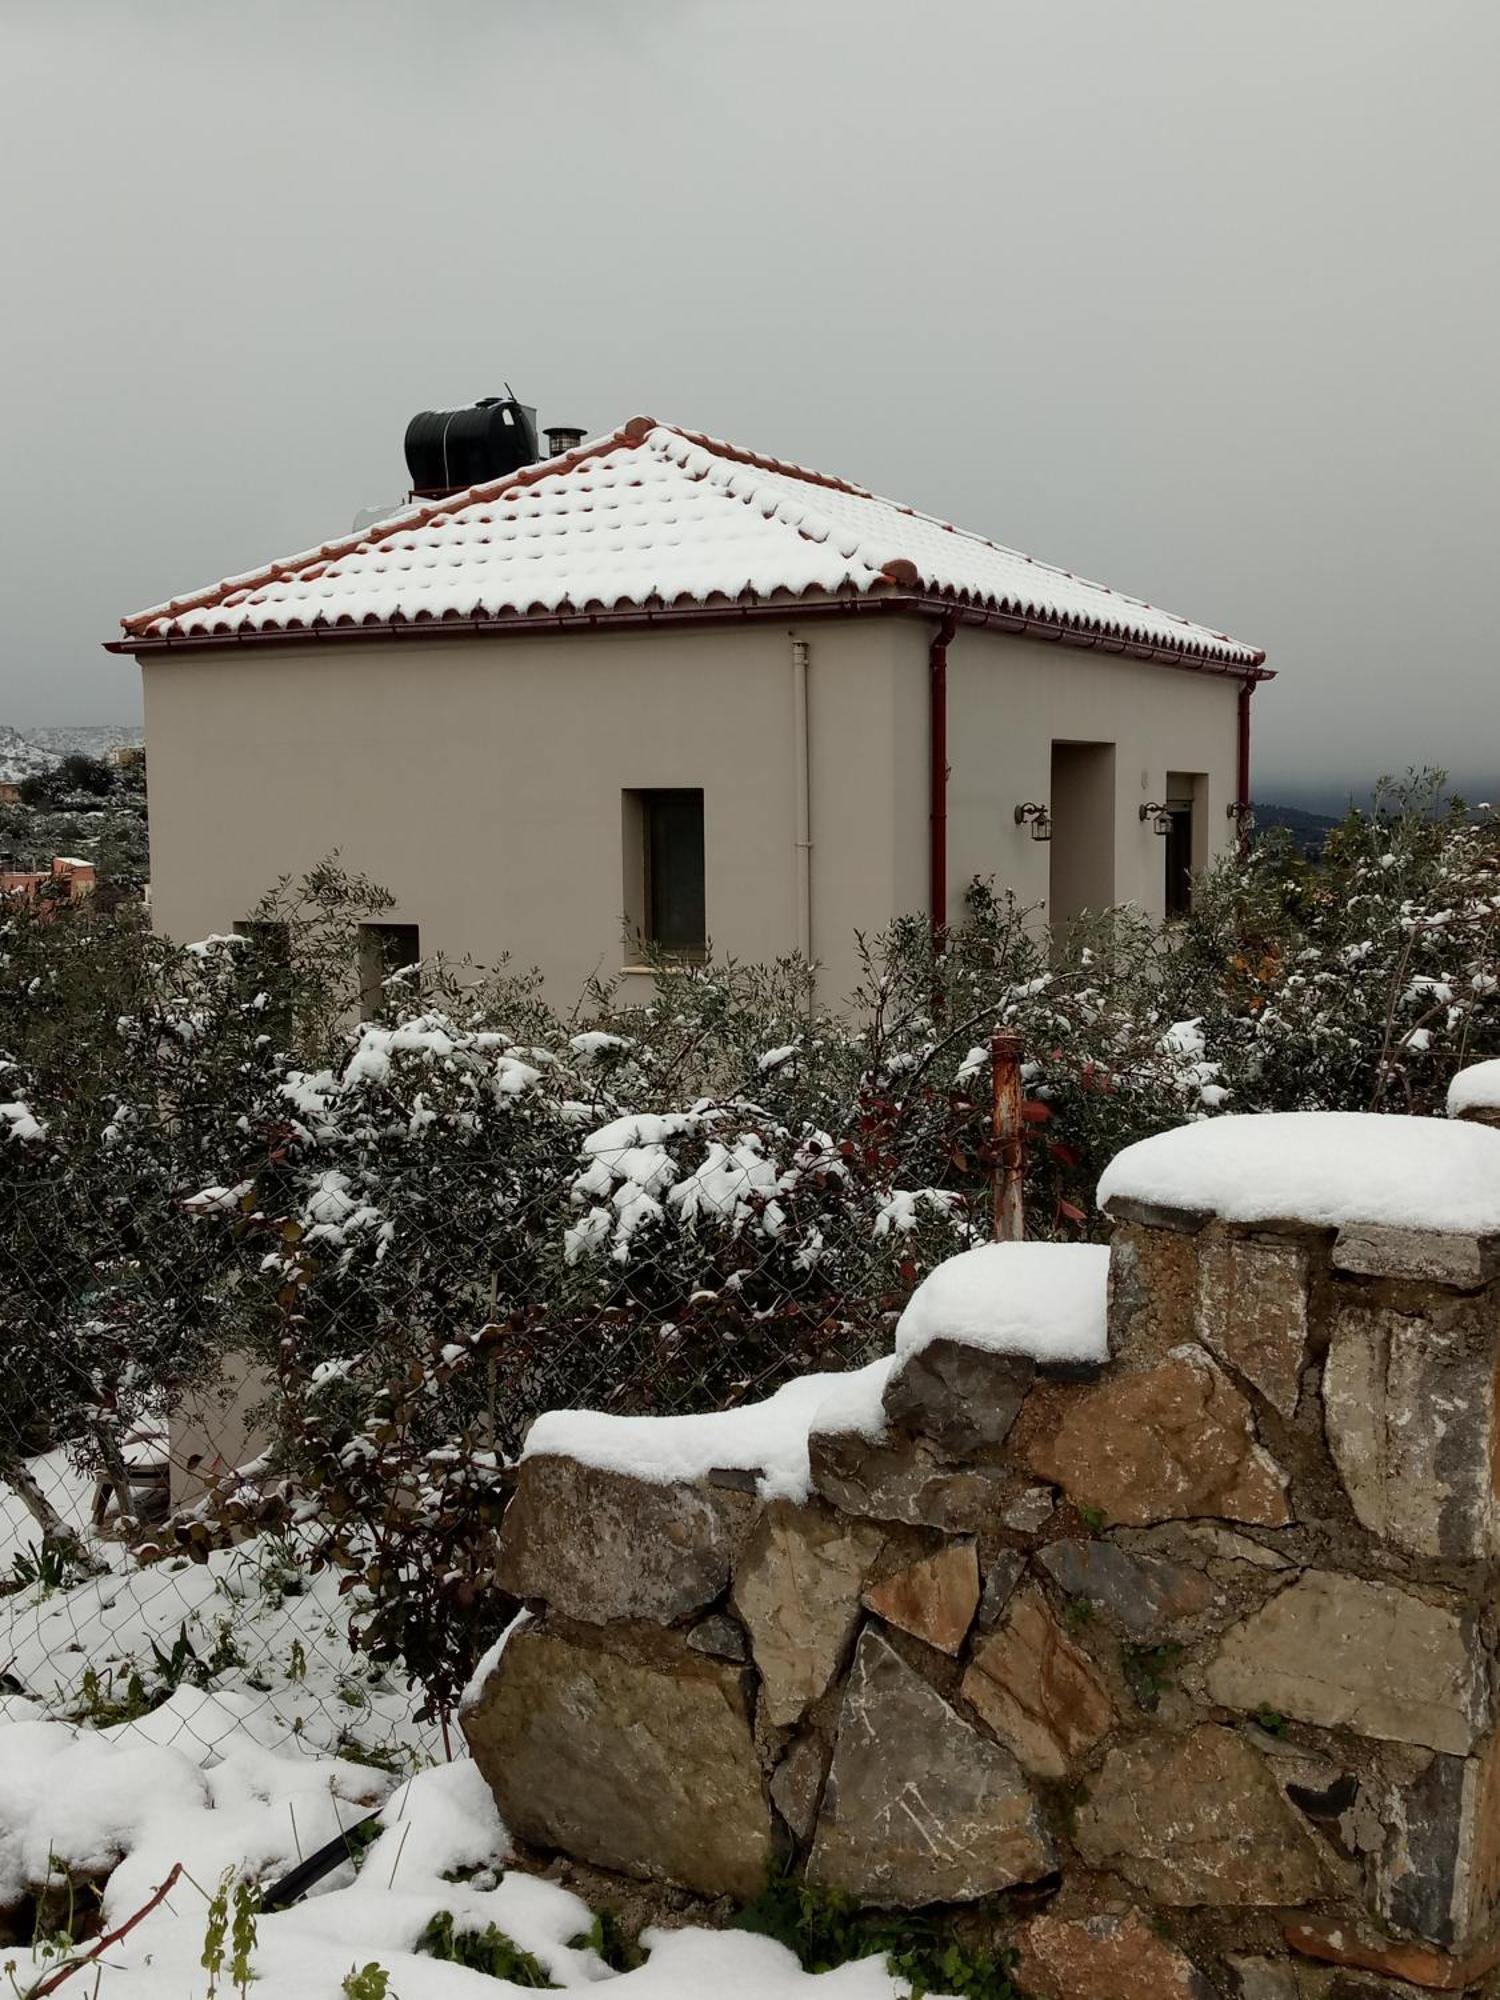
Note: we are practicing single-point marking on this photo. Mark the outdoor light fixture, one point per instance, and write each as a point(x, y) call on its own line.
point(1161, 816)
point(1241, 811)
point(1037, 818)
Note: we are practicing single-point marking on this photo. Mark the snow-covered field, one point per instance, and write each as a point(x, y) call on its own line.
point(251, 1773)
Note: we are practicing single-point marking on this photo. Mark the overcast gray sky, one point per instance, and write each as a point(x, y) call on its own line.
point(1197, 297)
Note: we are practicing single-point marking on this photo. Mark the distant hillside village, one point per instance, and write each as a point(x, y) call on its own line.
point(73, 811)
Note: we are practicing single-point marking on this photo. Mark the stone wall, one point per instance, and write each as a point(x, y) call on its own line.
point(1180, 1668)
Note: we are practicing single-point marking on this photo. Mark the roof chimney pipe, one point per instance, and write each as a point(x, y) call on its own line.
point(563, 437)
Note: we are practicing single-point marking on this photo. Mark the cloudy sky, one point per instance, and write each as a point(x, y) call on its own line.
point(1197, 297)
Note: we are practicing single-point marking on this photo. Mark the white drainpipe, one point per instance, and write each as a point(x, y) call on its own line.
point(803, 779)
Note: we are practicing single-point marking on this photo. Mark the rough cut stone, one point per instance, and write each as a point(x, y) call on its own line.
point(919, 1807)
point(1252, 1311)
point(1005, 1574)
point(1345, 1654)
point(903, 1479)
point(648, 1769)
point(1086, 1958)
point(797, 1588)
point(1424, 1256)
point(600, 1546)
point(1198, 1819)
point(797, 1783)
point(934, 1599)
point(1036, 1691)
point(1144, 1594)
point(1409, 1400)
point(1163, 1443)
point(1153, 1286)
point(721, 1638)
point(1030, 1510)
point(1263, 1978)
point(1437, 1872)
point(1419, 1877)
point(960, 1396)
point(1337, 1942)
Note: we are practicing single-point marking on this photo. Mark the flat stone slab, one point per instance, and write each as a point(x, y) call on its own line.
point(1143, 1593)
point(919, 1807)
point(600, 1546)
point(1422, 1256)
point(645, 1768)
point(1036, 1691)
point(934, 1598)
point(797, 1588)
point(1167, 1442)
point(1345, 1654)
point(1409, 1404)
point(1087, 1958)
point(1252, 1310)
point(1198, 1820)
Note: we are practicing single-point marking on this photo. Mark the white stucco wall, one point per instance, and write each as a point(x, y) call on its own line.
point(480, 780)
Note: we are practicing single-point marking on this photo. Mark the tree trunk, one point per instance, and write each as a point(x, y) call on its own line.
point(54, 1528)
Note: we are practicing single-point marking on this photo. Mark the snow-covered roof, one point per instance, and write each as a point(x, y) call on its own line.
point(649, 518)
point(1325, 1168)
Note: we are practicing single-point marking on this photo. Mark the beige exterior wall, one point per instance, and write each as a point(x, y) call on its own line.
point(1010, 699)
point(481, 781)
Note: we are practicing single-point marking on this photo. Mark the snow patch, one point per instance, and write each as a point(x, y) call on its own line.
point(1045, 1300)
point(1325, 1168)
point(1476, 1088)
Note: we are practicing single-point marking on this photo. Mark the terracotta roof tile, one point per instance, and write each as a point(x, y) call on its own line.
point(649, 516)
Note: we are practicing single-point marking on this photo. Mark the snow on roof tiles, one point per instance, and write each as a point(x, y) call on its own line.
point(654, 516)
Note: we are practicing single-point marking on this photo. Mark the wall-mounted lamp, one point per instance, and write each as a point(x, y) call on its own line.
point(1037, 818)
point(1160, 816)
point(1242, 813)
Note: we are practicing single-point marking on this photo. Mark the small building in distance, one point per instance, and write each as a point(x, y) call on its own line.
point(67, 880)
point(658, 692)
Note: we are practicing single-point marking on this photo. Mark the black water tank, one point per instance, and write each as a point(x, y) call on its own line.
point(447, 450)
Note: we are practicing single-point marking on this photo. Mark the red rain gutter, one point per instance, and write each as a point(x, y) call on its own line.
point(937, 779)
point(645, 617)
point(1242, 761)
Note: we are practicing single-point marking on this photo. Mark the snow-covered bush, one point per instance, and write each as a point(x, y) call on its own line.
point(429, 1227)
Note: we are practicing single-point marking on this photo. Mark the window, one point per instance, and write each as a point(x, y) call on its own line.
point(1185, 839)
point(1177, 899)
point(384, 950)
point(664, 903)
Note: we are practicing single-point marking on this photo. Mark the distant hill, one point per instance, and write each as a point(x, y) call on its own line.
point(20, 757)
point(91, 739)
point(1308, 829)
point(24, 753)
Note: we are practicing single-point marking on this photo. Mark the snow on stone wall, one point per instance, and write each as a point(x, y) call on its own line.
point(1171, 1650)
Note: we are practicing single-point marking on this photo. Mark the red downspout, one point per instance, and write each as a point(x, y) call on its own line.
point(937, 783)
point(1242, 774)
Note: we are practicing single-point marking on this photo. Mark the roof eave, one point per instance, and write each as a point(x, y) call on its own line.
point(1248, 665)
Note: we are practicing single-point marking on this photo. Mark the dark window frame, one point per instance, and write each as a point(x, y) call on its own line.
point(665, 871)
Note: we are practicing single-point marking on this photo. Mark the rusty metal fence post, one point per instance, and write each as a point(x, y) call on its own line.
point(1009, 1222)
